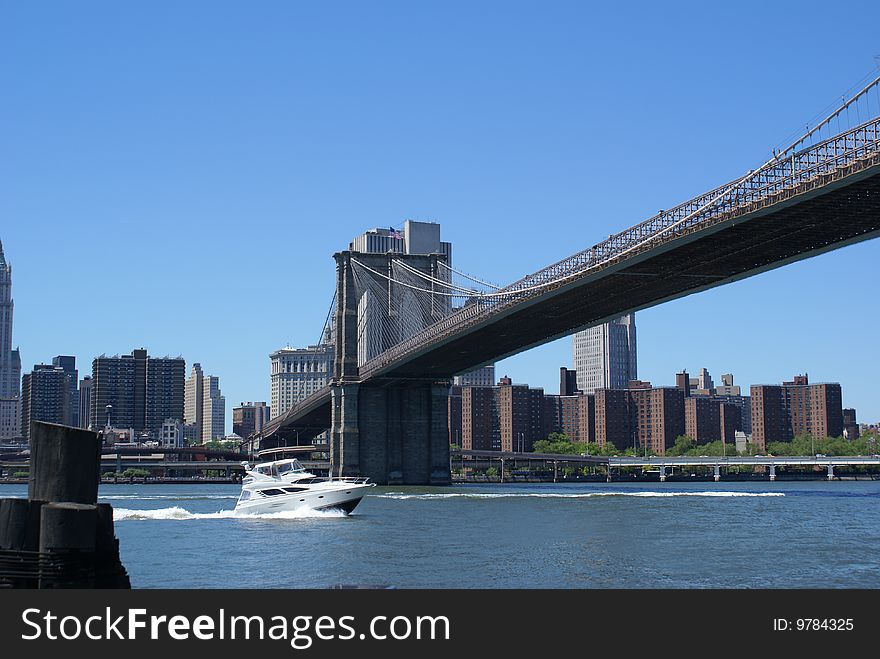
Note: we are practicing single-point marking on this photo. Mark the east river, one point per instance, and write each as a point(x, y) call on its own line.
point(809, 534)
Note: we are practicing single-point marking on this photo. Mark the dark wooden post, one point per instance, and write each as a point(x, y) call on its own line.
point(69, 541)
point(65, 463)
point(67, 545)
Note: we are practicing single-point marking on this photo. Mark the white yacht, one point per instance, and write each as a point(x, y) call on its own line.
point(284, 485)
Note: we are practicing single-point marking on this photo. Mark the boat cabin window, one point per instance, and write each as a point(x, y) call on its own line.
point(295, 489)
point(245, 495)
point(272, 492)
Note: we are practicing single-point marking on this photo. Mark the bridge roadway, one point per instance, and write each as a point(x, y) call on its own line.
point(818, 204)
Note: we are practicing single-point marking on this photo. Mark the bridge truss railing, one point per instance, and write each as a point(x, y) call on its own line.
point(786, 175)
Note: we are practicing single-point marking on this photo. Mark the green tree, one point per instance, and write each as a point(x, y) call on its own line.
point(138, 473)
point(558, 443)
point(682, 445)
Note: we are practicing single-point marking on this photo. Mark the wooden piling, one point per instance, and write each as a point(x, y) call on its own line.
point(65, 464)
point(69, 541)
point(67, 545)
point(20, 524)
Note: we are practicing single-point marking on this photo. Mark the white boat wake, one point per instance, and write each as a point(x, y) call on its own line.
point(582, 495)
point(178, 513)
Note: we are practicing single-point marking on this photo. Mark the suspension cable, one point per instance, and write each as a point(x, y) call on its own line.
point(470, 277)
point(434, 280)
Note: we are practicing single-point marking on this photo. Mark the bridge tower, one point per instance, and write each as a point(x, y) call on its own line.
point(393, 431)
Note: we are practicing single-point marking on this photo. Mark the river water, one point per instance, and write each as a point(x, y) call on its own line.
point(811, 534)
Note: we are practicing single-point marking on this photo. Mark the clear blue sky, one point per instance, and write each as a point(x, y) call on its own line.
point(177, 175)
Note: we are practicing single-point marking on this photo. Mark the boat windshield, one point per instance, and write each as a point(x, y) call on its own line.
point(289, 466)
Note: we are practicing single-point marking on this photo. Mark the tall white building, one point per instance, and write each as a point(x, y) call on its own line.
point(297, 373)
point(481, 377)
point(416, 238)
point(605, 355)
point(10, 360)
point(204, 407)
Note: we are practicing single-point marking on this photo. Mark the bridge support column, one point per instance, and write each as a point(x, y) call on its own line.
point(396, 434)
point(831, 472)
point(345, 433)
point(772, 472)
point(717, 473)
point(662, 473)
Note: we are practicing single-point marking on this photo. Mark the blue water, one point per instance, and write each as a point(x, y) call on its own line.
point(624, 535)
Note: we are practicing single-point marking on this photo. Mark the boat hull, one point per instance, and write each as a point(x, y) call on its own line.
point(345, 499)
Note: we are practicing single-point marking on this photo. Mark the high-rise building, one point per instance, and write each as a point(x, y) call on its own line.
point(731, 422)
point(683, 382)
point(641, 417)
point(520, 414)
point(702, 419)
point(215, 410)
point(68, 363)
point(480, 377)
point(783, 412)
point(10, 360)
point(587, 418)
point(415, 238)
point(480, 426)
point(727, 388)
point(726, 393)
point(453, 415)
point(45, 396)
point(658, 417)
point(249, 418)
point(562, 414)
point(85, 401)
point(10, 422)
point(614, 418)
point(142, 391)
point(568, 385)
point(204, 406)
point(298, 373)
point(743, 404)
point(193, 404)
point(605, 355)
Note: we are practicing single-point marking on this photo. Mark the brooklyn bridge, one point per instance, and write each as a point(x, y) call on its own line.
point(405, 324)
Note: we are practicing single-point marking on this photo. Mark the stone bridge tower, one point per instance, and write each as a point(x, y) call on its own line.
point(393, 431)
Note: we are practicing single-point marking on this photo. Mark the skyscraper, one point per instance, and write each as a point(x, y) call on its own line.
point(298, 373)
point(10, 360)
point(143, 391)
point(796, 408)
point(85, 401)
point(480, 377)
point(68, 363)
point(45, 396)
point(605, 355)
point(204, 407)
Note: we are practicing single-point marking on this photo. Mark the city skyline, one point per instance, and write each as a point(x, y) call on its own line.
point(142, 175)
